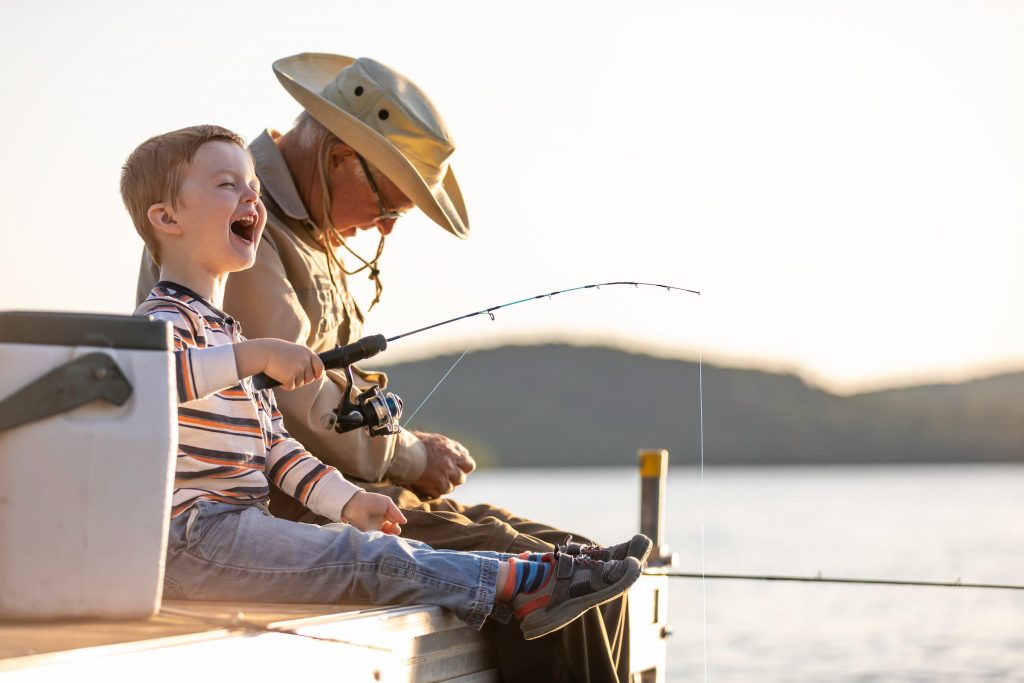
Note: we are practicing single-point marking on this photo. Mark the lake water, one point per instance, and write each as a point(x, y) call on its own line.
point(932, 523)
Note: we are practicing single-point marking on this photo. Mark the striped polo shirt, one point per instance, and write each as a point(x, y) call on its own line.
point(231, 438)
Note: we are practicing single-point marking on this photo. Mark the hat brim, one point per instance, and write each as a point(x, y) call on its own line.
point(306, 75)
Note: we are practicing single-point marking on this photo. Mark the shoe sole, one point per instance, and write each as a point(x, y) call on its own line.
point(572, 609)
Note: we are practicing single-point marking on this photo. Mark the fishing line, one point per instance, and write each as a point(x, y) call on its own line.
point(437, 385)
point(703, 582)
point(820, 579)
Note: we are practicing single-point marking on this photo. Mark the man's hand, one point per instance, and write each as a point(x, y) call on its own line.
point(448, 463)
point(373, 512)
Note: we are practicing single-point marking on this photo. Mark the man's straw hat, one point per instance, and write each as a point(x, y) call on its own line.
point(387, 119)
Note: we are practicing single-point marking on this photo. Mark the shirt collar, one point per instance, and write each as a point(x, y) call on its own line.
point(182, 289)
point(275, 178)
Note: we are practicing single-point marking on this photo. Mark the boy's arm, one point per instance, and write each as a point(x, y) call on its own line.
point(199, 372)
point(263, 299)
point(295, 471)
point(291, 365)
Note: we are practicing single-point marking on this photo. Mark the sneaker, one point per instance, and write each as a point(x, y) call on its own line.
point(639, 547)
point(576, 584)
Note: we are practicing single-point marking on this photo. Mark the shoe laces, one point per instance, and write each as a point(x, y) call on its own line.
point(587, 561)
point(585, 550)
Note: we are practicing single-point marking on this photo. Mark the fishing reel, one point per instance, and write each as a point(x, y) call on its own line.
point(376, 411)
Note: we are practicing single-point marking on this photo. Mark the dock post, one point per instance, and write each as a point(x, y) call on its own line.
point(648, 599)
point(653, 473)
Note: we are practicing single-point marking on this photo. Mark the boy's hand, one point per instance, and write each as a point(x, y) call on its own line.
point(373, 512)
point(290, 364)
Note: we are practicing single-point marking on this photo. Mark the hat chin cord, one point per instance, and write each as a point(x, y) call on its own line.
point(330, 235)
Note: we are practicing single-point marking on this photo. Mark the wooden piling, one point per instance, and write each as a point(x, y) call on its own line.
point(653, 464)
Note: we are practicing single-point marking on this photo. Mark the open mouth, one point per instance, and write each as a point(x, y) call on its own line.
point(244, 228)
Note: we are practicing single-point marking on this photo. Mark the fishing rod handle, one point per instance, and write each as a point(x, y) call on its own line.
point(338, 357)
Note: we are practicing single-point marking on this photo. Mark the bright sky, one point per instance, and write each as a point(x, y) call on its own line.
point(843, 180)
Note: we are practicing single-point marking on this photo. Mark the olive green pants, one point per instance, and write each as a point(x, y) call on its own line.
point(593, 648)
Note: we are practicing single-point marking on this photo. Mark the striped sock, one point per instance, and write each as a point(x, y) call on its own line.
point(532, 557)
point(526, 576)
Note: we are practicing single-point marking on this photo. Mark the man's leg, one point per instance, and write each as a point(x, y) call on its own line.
point(445, 523)
point(582, 651)
point(481, 513)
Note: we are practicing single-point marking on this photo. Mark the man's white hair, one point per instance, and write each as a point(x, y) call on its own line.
point(311, 134)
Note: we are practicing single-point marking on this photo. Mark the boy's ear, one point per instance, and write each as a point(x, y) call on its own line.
point(161, 217)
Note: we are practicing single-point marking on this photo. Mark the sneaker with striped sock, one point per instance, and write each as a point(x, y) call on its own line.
point(574, 585)
point(526, 574)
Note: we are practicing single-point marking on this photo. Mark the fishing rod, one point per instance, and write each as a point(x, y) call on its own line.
point(379, 411)
point(820, 579)
point(490, 311)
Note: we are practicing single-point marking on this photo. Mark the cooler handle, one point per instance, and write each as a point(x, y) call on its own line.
point(66, 387)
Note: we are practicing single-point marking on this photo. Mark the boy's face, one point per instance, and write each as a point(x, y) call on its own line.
point(218, 213)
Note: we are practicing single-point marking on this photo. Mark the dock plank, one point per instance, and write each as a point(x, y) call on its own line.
point(176, 618)
point(358, 641)
point(409, 643)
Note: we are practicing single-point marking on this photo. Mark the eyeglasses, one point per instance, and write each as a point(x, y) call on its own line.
point(385, 212)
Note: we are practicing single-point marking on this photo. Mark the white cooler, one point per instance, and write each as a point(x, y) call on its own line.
point(88, 437)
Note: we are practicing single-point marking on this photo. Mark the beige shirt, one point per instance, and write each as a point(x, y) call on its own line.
point(295, 292)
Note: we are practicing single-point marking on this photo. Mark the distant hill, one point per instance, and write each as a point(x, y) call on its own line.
point(557, 405)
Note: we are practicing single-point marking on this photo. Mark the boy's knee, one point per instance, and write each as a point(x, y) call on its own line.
point(396, 567)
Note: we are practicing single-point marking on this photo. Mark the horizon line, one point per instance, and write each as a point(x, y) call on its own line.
point(937, 377)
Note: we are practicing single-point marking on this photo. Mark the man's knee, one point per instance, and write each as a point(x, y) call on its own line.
point(452, 531)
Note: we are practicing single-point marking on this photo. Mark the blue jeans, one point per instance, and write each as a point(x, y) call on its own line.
point(218, 551)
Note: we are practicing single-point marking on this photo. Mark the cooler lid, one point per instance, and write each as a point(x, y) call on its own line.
point(85, 329)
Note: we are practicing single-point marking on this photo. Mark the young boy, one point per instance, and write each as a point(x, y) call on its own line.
point(193, 196)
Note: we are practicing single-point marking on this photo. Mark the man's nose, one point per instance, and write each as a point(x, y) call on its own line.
point(385, 225)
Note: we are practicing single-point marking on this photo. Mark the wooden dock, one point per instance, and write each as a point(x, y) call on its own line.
point(192, 639)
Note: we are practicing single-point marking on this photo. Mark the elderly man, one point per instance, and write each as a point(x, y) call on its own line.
point(368, 147)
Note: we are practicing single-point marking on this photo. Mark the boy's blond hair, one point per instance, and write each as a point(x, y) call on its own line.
point(155, 170)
